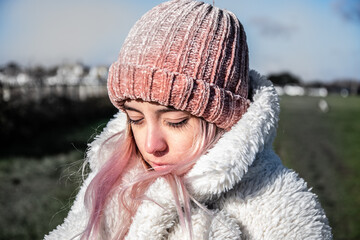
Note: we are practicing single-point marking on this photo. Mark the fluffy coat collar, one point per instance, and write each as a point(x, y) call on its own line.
point(228, 161)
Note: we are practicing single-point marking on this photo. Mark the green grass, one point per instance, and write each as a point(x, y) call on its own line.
point(345, 118)
point(324, 149)
point(36, 193)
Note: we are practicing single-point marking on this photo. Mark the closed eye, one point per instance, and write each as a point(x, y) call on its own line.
point(178, 124)
point(135, 122)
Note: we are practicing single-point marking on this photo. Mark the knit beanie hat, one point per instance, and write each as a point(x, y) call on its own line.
point(188, 55)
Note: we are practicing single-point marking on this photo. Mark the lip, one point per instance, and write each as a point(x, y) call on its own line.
point(159, 166)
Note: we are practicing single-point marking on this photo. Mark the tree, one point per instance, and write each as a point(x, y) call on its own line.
point(284, 78)
point(38, 73)
point(11, 69)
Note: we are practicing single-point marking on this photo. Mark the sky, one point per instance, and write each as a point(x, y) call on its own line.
point(314, 40)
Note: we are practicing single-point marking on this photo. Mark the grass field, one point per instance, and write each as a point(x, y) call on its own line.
point(36, 192)
point(324, 149)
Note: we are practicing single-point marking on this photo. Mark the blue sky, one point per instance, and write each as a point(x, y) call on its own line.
point(315, 40)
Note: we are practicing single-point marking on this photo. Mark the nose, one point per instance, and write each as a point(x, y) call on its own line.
point(155, 142)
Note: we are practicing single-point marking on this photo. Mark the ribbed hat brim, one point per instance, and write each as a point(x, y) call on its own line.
point(199, 98)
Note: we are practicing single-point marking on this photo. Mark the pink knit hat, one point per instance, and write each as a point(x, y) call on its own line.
point(188, 55)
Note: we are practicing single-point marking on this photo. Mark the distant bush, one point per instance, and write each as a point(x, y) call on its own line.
point(283, 79)
point(23, 126)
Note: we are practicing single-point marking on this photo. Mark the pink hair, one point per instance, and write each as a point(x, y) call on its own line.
point(124, 157)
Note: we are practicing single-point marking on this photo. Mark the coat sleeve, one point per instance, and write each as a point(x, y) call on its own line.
point(75, 223)
point(275, 203)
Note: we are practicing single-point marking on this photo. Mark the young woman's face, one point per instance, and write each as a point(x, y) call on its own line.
point(163, 135)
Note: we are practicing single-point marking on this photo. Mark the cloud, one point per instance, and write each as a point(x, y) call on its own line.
point(348, 9)
point(269, 27)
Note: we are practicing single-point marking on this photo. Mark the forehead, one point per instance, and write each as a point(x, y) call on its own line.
point(149, 106)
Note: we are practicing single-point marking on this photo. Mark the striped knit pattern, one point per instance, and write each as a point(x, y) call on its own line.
point(188, 55)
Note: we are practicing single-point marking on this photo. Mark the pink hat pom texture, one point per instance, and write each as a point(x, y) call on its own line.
point(188, 55)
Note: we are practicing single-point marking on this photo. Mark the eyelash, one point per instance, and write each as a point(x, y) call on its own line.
point(135, 122)
point(171, 124)
point(178, 124)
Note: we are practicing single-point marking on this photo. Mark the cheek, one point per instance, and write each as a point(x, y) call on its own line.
point(183, 141)
point(139, 140)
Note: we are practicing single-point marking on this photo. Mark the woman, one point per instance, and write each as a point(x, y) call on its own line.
point(190, 154)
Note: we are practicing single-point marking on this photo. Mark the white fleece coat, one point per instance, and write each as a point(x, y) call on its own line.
point(248, 192)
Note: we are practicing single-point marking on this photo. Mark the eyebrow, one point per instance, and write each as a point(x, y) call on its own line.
point(162, 110)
